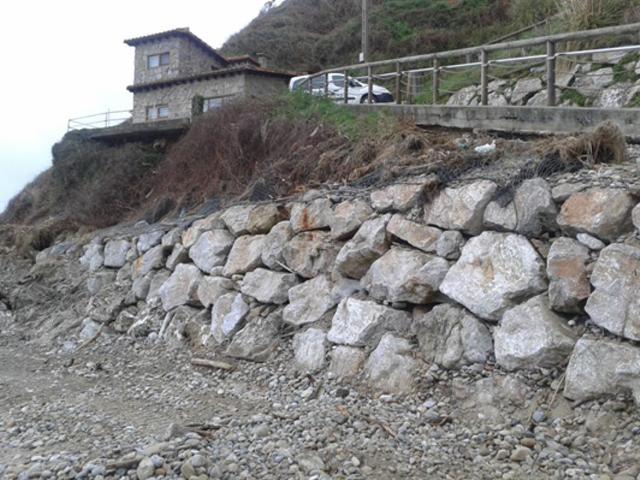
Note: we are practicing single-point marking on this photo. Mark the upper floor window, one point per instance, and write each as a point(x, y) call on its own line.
point(158, 60)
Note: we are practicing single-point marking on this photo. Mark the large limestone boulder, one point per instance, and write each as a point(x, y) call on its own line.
point(390, 367)
point(415, 234)
point(245, 255)
point(369, 243)
point(152, 260)
point(181, 288)
point(398, 197)
point(535, 209)
point(236, 219)
point(274, 243)
point(464, 96)
point(568, 279)
point(635, 217)
point(262, 218)
point(309, 301)
point(148, 240)
point(346, 361)
point(531, 336)
point(310, 350)
point(461, 208)
point(502, 218)
point(593, 82)
point(452, 337)
point(404, 275)
point(449, 244)
point(115, 253)
point(495, 272)
point(600, 368)
point(313, 216)
point(93, 257)
point(227, 316)
point(363, 322)
point(192, 234)
point(347, 218)
point(179, 254)
point(310, 254)
point(210, 289)
point(210, 250)
point(524, 90)
point(615, 303)
point(268, 286)
point(604, 213)
point(257, 340)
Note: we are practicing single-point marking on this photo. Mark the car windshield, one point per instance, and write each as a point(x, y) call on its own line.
point(338, 81)
point(299, 83)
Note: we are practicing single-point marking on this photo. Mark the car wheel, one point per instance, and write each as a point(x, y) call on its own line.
point(364, 99)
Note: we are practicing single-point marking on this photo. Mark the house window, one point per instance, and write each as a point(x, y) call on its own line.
point(157, 60)
point(157, 112)
point(212, 103)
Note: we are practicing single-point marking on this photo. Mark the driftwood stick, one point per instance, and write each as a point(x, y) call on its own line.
point(203, 362)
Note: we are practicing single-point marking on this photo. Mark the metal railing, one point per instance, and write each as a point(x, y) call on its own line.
point(399, 66)
point(106, 119)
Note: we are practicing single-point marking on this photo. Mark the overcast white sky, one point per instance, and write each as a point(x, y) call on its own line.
point(66, 58)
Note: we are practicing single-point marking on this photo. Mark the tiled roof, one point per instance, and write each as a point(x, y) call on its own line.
point(177, 32)
point(242, 58)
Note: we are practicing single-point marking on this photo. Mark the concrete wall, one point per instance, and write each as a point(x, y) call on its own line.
point(185, 58)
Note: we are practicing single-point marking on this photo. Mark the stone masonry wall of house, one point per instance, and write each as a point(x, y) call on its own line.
point(179, 97)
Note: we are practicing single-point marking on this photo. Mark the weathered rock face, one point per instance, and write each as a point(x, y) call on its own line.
point(524, 90)
point(263, 218)
point(615, 303)
point(347, 218)
point(594, 81)
point(452, 337)
point(635, 217)
point(192, 234)
point(531, 336)
point(181, 288)
point(274, 244)
point(346, 361)
point(210, 289)
point(310, 253)
point(369, 243)
point(267, 286)
point(115, 253)
point(152, 260)
point(602, 368)
point(362, 322)
point(257, 340)
point(419, 236)
point(314, 216)
point(245, 255)
point(461, 208)
point(310, 350)
point(500, 218)
point(403, 275)
point(237, 219)
point(309, 301)
point(535, 209)
point(227, 316)
point(149, 240)
point(399, 197)
point(179, 254)
point(495, 272)
point(450, 244)
point(93, 257)
point(210, 250)
point(567, 271)
point(605, 213)
point(389, 368)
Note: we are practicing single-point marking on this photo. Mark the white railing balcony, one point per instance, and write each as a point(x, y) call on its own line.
point(106, 119)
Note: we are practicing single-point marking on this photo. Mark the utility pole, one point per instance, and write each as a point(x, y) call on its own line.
point(364, 55)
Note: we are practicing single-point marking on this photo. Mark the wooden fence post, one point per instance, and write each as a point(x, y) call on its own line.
point(551, 74)
point(484, 77)
point(436, 80)
point(310, 85)
point(326, 85)
point(369, 84)
point(346, 87)
point(398, 83)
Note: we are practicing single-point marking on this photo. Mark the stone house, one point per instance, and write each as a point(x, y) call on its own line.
point(177, 74)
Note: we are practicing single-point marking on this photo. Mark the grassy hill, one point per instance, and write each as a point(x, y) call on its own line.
point(307, 35)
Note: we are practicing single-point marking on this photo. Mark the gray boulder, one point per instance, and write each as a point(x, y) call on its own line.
point(452, 337)
point(568, 279)
point(495, 272)
point(236, 219)
point(179, 254)
point(415, 234)
point(192, 234)
point(535, 209)
point(227, 316)
point(313, 216)
point(615, 304)
point(347, 218)
point(398, 197)
point(404, 275)
point(602, 368)
point(362, 322)
point(390, 367)
point(262, 218)
point(258, 340)
point(152, 260)
point(245, 255)
point(210, 250)
point(93, 257)
point(274, 243)
point(268, 286)
point(310, 254)
point(148, 240)
point(210, 289)
point(500, 218)
point(115, 253)
point(181, 288)
point(310, 350)
point(461, 208)
point(369, 243)
point(346, 362)
point(450, 244)
point(309, 301)
point(524, 90)
point(593, 82)
point(532, 336)
point(635, 217)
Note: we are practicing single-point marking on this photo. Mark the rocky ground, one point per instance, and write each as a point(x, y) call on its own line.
point(125, 409)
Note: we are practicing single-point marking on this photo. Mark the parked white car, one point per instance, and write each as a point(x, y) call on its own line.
point(358, 92)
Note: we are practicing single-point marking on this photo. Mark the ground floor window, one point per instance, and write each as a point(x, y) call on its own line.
point(212, 103)
point(156, 112)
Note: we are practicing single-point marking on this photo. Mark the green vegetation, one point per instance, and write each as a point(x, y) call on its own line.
point(574, 97)
point(302, 106)
point(635, 101)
